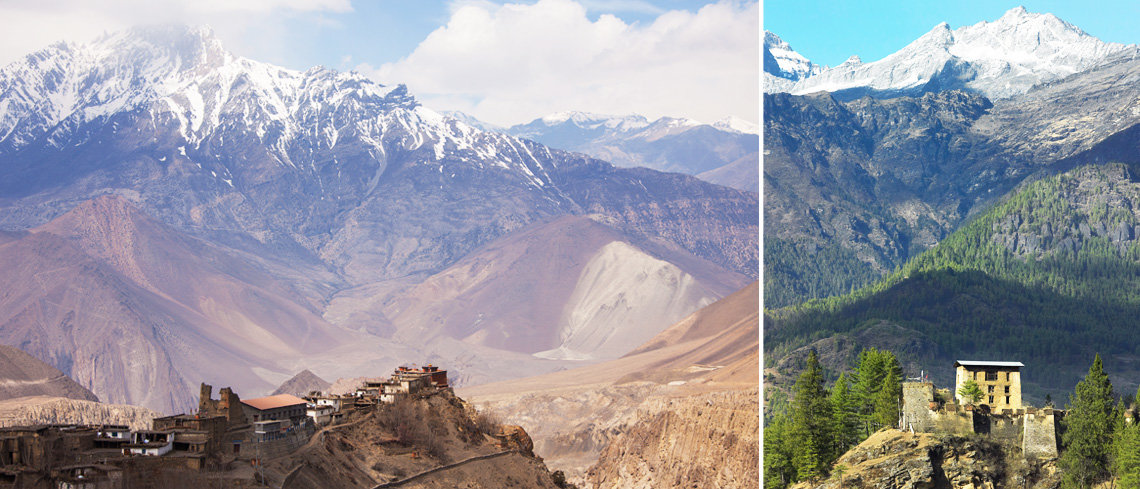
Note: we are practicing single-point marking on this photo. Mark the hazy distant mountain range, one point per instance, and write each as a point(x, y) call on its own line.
point(177, 214)
point(725, 152)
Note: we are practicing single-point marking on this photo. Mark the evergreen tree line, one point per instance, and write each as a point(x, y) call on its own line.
point(795, 271)
point(1099, 443)
point(821, 424)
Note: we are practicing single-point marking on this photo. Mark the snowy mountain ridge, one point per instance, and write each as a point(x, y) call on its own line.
point(626, 124)
point(783, 66)
point(999, 59)
point(61, 95)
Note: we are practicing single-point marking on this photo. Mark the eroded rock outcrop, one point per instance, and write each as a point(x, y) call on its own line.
point(709, 441)
point(902, 460)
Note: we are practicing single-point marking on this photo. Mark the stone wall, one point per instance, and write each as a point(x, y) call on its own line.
point(916, 412)
point(1040, 435)
point(947, 421)
point(1001, 428)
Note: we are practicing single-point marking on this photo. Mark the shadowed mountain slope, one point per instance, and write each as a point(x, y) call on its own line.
point(23, 375)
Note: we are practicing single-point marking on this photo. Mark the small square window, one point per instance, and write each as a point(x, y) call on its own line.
point(991, 389)
point(1007, 389)
point(991, 376)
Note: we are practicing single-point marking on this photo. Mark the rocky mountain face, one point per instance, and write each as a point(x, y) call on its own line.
point(23, 375)
point(869, 183)
point(725, 152)
point(33, 392)
point(573, 415)
point(26, 411)
point(142, 313)
point(920, 460)
point(320, 164)
point(700, 441)
point(214, 217)
point(303, 383)
point(423, 442)
point(571, 288)
point(881, 179)
point(783, 66)
point(997, 59)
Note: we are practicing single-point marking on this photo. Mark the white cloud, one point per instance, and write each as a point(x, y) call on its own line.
point(511, 63)
point(639, 6)
point(29, 25)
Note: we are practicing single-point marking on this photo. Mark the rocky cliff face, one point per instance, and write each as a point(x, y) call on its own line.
point(919, 461)
point(709, 441)
point(34, 410)
point(419, 442)
point(23, 375)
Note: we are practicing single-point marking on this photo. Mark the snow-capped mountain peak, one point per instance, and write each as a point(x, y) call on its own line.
point(588, 120)
point(789, 64)
point(1000, 59)
point(233, 119)
point(783, 66)
point(736, 124)
point(183, 72)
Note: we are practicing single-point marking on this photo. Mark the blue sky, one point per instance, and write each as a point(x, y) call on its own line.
point(828, 32)
point(383, 31)
point(505, 62)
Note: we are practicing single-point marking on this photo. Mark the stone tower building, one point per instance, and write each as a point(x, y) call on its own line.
point(1000, 382)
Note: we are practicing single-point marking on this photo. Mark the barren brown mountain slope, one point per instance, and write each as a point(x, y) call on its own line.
point(140, 313)
point(708, 441)
point(304, 382)
point(32, 410)
point(568, 288)
point(23, 375)
point(572, 415)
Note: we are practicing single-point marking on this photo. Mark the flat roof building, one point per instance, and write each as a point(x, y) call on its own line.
point(1000, 382)
point(279, 407)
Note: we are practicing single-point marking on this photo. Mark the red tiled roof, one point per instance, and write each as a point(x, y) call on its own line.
point(273, 402)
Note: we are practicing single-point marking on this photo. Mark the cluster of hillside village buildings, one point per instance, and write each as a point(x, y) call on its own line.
point(999, 414)
point(223, 431)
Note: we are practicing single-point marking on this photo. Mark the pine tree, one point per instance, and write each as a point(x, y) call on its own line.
point(811, 420)
point(1088, 430)
point(779, 469)
point(1126, 463)
point(887, 401)
point(844, 423)
point(868, 380)
point(1126, 466)
point(970, 391)
point(869, 375)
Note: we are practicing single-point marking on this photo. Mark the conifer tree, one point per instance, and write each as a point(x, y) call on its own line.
point(970, 391)
point(779, 469)
point(811, 422)
point(1088, 430)
point(844, 423)
point(887, 401)
point(1126, 463)
point(869, 375)
point(1126, 466)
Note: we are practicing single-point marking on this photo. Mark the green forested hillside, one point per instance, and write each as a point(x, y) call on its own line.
point(1048, 277)
point(797, 269)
